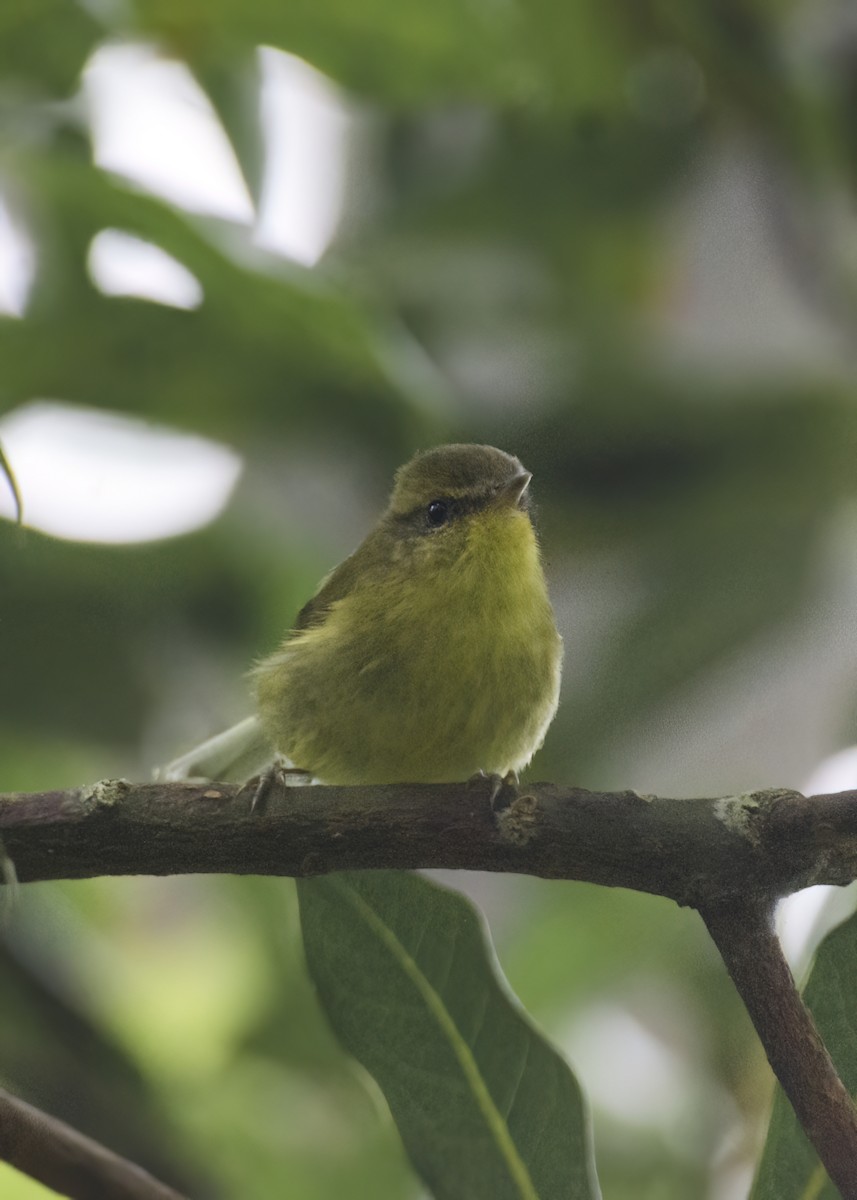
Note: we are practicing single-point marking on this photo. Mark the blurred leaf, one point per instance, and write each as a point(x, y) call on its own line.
point(485, 1107)
point(45, 43)
point(383, 50)
point(269, 334)
point(234, 86)
point(56, 1053)
point(268, 1132)
point(724, 505)
point(789, 1169)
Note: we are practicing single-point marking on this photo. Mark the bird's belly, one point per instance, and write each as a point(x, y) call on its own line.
point(416, 709)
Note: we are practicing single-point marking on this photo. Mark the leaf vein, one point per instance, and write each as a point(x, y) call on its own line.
point(494, 1120)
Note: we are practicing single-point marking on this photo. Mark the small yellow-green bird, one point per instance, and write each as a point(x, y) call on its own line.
point(430, 654)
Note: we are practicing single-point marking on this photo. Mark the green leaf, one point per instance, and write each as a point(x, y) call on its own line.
point(404, 53)
point(790, 1169)
point(283, 338)
point(44, 43)
point(233, 84)
point(485, 1107)
point(412, 54)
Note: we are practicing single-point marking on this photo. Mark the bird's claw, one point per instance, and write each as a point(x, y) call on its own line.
point(278, 774)
point(503, 787)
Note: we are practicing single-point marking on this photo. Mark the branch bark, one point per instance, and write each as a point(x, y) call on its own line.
point(744, 934)
point(696, 852)
point(63, 1159)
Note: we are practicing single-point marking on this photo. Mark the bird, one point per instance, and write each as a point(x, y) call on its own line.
point(429, 655)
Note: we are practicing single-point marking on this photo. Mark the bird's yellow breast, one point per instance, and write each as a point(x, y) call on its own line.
point(440, 662)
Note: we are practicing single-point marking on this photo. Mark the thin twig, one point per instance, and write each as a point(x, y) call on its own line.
point(63, 1159)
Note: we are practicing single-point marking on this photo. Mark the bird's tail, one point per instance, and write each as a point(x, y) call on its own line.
point(236, 755)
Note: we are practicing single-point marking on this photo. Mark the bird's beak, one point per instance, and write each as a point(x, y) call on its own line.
point(514, 493)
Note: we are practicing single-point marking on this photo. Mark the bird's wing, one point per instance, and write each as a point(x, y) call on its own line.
point(245, 750)
point(335, 586)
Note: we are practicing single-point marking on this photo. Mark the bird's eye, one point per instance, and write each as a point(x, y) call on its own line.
point(437, 513)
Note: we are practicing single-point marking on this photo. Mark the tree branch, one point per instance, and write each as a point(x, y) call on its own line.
point(697, 852)
point(729, 857)
point(58, 1156)
point(744, 934)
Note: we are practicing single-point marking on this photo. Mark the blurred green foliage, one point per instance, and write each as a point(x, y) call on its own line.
point(615, 239)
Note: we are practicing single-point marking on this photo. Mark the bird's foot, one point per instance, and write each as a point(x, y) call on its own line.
point(280, 773)
point(504, 788)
